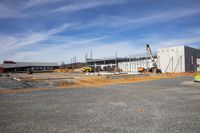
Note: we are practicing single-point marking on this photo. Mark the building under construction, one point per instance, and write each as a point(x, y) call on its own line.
point(173, 59)
point(11, 66)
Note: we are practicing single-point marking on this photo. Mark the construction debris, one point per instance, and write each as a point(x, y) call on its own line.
point(12, 83)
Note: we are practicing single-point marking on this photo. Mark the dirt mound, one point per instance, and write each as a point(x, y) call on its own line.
point(91, 81)
point(64, 70)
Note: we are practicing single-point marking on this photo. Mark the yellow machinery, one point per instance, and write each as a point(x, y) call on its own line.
point(197, 77)
point(87, 69)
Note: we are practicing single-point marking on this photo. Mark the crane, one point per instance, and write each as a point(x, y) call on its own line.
point(150, 55)
point(154, 67)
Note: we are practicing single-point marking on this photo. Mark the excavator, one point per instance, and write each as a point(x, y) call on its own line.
point(154, 67)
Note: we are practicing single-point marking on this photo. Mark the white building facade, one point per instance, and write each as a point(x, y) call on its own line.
point(132, 66)
point(173, 59)
point(178, 59)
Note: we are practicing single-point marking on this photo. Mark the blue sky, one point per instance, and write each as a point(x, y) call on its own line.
point(57, 30)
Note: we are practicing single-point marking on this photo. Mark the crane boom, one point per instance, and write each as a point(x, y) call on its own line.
point(153, 68)
point(150, 54)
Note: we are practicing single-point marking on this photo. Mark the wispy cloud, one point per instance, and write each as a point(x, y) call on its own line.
point(17, 42)
point(103, 31)
point(81, 5)
point(58, 52)
point(33, 3)
point(189, 41)
point(8, 12)
point(30, 46)
point(61, 28)
point(78, 47)
point(150, 18)
point(165, 16)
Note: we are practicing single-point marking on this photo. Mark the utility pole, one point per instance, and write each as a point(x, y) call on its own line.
point(71, 62)
point(75, 61)
point(91, 54)
point(116, 61)
point(86, 58)
point(130, 62)
point(94, 65)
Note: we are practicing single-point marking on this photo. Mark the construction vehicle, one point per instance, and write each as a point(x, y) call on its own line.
point(30, 71)
point(197, 78)
point(141, 69)
point(87, 69)
point(154, 67)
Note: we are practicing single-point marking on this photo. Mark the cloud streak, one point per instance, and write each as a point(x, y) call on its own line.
point(115, 21)
point(8, 12)
point(17, 42)
point(81, 5)
point(67, 47)
point(79, 46)
point(104, 26)
point(33, 3)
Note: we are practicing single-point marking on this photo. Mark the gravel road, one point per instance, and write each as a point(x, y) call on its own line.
point(161, 106)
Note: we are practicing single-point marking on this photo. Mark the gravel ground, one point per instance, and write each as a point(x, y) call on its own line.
point(161, 106)
point(41, 80)
point(8, 83)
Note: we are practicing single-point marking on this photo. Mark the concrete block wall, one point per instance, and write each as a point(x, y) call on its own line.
point(191, 58)
point(132, 66)
point(178, 59)
point(171, 59)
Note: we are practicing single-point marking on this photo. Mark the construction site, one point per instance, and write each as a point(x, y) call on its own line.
point(99, 66)
point(153, 92)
